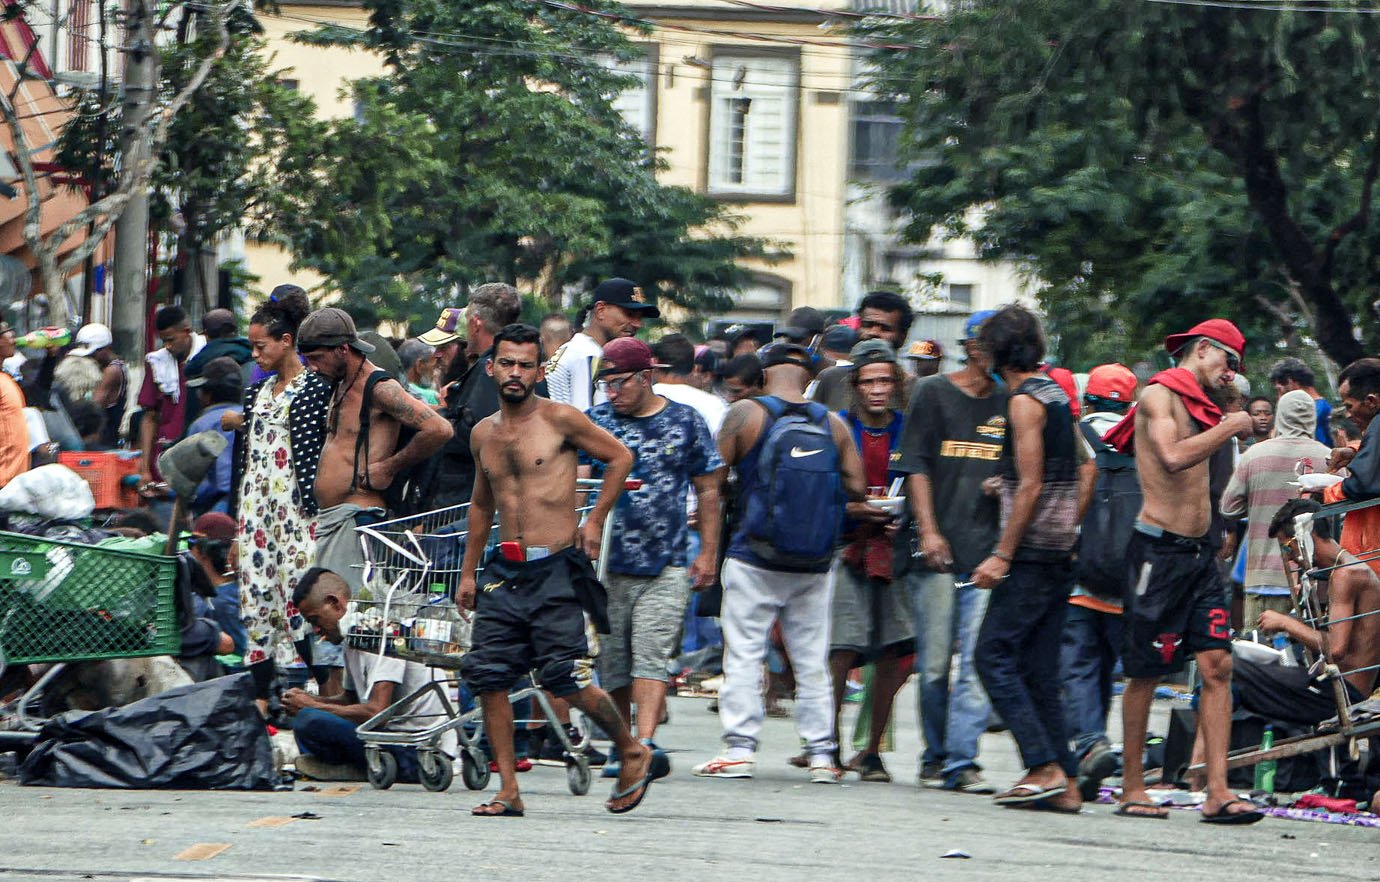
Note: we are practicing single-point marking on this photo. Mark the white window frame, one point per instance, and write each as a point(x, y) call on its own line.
point(638, 105)
point(742, 79)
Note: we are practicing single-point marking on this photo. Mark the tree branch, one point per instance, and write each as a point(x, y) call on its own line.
point(1361, 218)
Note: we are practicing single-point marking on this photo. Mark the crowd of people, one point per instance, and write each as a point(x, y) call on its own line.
point(809, 502)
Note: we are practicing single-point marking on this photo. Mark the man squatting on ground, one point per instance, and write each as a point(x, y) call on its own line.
point(1177, 601)
point(539, 584)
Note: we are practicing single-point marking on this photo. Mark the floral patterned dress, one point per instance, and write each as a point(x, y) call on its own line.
point(276, 535)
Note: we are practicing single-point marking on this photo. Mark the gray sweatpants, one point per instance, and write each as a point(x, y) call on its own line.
point(754, 598)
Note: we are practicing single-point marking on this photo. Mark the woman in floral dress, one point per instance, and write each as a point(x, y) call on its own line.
point(279, 443)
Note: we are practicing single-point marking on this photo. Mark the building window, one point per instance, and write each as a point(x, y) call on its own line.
point(637, 104)
point(961, 295)
point(289, 84)
point(876, 134)
point(752, 121)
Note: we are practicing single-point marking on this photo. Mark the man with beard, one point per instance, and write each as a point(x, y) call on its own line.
point(355, 470)
point(539, 584)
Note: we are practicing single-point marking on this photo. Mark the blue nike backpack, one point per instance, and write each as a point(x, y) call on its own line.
point(795, 513)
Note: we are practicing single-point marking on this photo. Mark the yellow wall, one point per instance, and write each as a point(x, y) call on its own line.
point(811, 227)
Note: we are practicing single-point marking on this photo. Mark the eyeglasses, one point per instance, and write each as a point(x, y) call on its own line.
point(607, 386)
point(1233, 360)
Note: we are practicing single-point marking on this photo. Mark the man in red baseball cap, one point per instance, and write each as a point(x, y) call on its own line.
point(1178, 604)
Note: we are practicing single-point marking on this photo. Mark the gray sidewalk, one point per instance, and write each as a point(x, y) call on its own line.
point(774, 827)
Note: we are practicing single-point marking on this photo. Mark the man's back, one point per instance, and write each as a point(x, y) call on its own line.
point(1258, 488)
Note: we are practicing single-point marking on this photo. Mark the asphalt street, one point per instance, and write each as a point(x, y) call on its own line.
point(776, 826)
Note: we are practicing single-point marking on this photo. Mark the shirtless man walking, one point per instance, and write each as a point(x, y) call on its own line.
point(1178, 602)
point(539, 585)
point(354, 472)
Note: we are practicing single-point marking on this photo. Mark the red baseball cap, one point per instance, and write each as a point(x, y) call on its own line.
point(627, 355)
point(1221, 330)
point(1114, 382)
point(215, 525)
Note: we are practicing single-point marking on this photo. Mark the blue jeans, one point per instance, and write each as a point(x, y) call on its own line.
point(1018, 659)
point(1092, 645)
point(332, 739)
point(952, 719)
point(700, 632)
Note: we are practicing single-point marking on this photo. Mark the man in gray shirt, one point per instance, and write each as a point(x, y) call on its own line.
point(951, 443)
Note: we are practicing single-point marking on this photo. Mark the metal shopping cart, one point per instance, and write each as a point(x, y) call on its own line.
point(63, 602)
point(411, 570)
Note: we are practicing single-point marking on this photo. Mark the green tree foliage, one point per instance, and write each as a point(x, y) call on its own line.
point(490, 150)
point(227, 153)
point(1154, 164)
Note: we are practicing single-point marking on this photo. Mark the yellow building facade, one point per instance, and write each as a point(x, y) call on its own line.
point(747, 103)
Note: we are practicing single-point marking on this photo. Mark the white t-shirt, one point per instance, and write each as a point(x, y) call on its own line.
point(368, 668)
point(570, 373)
point(711, 407)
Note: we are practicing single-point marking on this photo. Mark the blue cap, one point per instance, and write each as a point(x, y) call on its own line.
point(974, 323)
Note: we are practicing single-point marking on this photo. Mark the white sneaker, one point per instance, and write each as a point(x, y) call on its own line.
point(724, 767)
point(823, 771)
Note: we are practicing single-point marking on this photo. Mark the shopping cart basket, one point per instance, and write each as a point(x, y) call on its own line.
point(68, 602)
point(411, 563)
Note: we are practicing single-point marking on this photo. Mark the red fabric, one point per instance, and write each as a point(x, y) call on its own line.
point(1328, 803)
point(1180, 381)
point(1064, 377)
point(870, 551)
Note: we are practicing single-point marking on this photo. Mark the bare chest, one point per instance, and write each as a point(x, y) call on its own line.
point(525, 454)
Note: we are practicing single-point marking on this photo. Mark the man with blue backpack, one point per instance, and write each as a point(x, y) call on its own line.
point(797, 467)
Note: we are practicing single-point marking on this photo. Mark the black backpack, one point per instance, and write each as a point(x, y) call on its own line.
point(411, 487)
point(1101, 563)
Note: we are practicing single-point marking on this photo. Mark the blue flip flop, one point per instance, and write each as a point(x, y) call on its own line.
point(659, 767)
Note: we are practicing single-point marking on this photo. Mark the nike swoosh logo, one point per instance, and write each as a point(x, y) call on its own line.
point(797, 453)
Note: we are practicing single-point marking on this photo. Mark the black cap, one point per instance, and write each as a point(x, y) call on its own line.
point(222, 371)
point(626, 295)
point(807, 319)
point(774, 354)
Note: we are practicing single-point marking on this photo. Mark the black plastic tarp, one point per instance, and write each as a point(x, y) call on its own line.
point(205, 736)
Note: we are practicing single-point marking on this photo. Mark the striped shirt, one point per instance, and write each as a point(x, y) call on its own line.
point(1258, 488)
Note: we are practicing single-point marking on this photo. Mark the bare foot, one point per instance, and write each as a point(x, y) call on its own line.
point(633, 767)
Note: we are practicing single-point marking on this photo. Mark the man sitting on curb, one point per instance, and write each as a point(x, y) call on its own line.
point(325, 725)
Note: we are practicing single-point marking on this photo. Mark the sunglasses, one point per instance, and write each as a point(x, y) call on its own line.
point(1233, 360)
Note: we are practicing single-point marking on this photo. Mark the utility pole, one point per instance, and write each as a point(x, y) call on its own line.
point(129, 303)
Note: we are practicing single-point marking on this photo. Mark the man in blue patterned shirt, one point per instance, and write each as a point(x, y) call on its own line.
point(648, 583)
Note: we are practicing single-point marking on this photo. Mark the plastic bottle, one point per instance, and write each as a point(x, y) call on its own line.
point(1265, 771)
point(438, 626)
point(44, 337)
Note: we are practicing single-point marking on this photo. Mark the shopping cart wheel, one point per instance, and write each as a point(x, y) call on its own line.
point(474, 769)
point(383, 767)
point(577, 775)
point(435, 770)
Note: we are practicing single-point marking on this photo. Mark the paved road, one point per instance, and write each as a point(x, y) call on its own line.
point(774, 827)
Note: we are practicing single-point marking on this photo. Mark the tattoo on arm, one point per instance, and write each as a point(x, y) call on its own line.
point(395, 401)
point(601, 710)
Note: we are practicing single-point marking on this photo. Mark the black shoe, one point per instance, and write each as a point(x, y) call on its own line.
point(871, 769)
point(1097, 764)
point(596, 757)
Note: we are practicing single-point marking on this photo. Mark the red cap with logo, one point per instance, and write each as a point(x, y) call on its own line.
point(1220, 330)
point(1114, 382)
point(627, 355)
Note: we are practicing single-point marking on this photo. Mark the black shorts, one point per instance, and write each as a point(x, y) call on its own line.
point(529, 617)
point(1176, 604)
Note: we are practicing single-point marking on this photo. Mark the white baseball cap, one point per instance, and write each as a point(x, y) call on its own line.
point(92, 337)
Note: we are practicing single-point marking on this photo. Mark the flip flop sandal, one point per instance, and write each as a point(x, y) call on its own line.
point(1222, 816)
point(1151, 810)
point(1024, 793)
point(508, 810)
point(659, 767)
